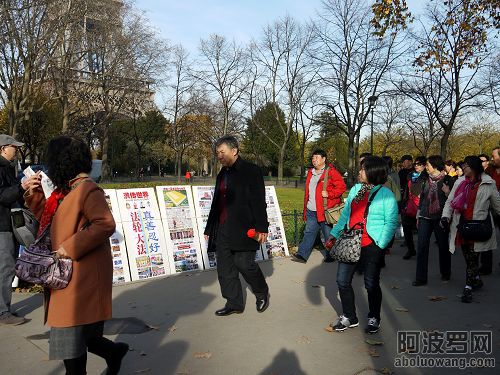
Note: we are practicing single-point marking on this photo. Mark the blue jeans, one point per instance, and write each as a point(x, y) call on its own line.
point(310, 233)
point(8, 255)
point(425, 229)
point(370, 261)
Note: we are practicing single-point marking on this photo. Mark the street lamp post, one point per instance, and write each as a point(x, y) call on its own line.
point(372, 100)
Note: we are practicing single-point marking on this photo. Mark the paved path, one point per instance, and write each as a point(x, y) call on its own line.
point(289, 338)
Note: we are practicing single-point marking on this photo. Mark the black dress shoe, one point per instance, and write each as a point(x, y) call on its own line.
point(328, 260)
point(409, 254)
point(227, 311)
point(419, 283)
point(262, 303)
point(298, 258)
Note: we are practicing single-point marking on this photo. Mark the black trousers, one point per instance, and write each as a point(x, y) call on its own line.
point(486, 260)
point(230, 264)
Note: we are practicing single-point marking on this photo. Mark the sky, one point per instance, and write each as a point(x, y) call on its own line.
point(188, 21)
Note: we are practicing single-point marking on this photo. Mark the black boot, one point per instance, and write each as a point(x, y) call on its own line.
point(112, 352)
point(409, 254)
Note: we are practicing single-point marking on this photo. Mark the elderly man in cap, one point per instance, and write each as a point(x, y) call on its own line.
point(11, 195)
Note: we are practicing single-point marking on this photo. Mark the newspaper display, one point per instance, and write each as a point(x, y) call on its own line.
point(203, 196)
point(276, 245)
point(121, 269)
point(181, 232)
point(147, 252)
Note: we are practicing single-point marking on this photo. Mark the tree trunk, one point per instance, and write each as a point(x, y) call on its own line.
point(105, 171)
point(444, 141)
point(178, 165)
point(351, 172)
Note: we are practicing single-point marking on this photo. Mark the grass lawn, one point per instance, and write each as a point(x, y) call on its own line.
point(290, 199)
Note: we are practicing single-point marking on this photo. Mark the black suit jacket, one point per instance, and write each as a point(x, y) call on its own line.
point(245, 207)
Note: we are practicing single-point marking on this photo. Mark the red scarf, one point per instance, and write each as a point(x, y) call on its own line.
point(50, 209)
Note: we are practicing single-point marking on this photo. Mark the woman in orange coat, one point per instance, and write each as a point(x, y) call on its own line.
point(81, 224)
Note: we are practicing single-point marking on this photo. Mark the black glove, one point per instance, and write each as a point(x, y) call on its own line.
point(445, 223)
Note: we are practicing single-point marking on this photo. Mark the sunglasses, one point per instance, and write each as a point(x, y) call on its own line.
point(484, 160)
point(417, 164)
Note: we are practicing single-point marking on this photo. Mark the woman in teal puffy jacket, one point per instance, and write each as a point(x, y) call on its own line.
point(381, 223)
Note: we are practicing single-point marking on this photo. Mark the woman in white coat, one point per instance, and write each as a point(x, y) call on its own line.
point(472, 197)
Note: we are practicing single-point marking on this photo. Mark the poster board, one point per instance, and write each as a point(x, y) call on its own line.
point(180, 228)
point(121, 268)
point(276, 245)
point(203, 196)
point(144, 237)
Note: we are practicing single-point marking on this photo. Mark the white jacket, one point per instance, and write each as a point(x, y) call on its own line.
point(487, 197)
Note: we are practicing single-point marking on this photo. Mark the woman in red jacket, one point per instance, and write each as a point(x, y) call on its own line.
point(314, 210)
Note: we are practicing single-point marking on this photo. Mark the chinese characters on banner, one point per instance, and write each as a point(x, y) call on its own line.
point(179, 222)
point(143, 233)
point(121, 271)
point(276, 245)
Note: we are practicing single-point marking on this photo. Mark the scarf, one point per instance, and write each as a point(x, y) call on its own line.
point(414, 176)
point(459, 202)
point(434, 206)
point(361, 193)
point(50, 209)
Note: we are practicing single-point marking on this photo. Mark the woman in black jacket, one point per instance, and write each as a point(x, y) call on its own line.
point(432, 200)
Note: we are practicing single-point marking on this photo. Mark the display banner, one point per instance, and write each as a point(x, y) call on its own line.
point(144, 237)
point(181, 232)
point(121, 269)
point(276, 245)
point(203, 196)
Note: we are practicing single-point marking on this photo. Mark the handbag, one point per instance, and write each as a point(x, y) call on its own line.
point(24, 226)
point(347, 248)
point(38, 264)
point(475, 230)
point(411, 207)
point(332, 215)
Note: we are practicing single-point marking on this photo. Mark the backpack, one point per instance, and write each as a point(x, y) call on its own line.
point(24, 226)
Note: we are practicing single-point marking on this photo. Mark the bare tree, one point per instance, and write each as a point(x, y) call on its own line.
point(354, 64)
point(282, 75)
point(224, 70)
point(449, 61)
point(390, 127)
point(28, 38)
point(178, 105)
point(124, 56)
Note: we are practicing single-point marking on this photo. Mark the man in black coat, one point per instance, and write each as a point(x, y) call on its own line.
point(11, 195)
point(239, 204)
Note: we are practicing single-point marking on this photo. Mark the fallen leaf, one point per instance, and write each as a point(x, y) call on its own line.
point(401, 309)
point(156, 328)
point(436, 298)
point(373, 353)
point(142, 354)
point(172, 329)
point(395, 287)
point(329, 329)
point(142, 371)
point(304, 340)
point(374, 342)
point(299, 281)
point(203, 355)
point(386, 371)
point(488, 325)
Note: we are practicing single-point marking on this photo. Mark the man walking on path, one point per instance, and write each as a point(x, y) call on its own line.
point(314, 208)
point(239, 204)
point(11, 195)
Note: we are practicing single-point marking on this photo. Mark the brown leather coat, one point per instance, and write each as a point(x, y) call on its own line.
point(87, 298)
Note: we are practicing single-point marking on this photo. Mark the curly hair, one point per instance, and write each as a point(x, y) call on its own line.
point(67, 157)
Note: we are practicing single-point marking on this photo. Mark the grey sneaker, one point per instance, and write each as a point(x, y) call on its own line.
point(10, 319)
point(343, 323)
